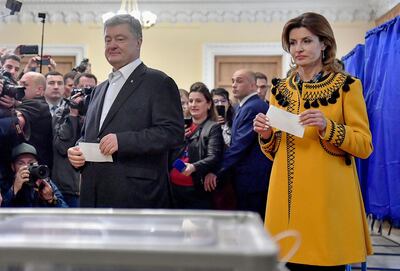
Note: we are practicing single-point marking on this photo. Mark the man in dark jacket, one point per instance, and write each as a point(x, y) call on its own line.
point(249, 167)
point(136, 117)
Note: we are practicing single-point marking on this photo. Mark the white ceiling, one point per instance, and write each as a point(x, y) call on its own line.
point(188, 11)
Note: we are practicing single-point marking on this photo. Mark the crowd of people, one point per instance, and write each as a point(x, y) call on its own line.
point(210, 151)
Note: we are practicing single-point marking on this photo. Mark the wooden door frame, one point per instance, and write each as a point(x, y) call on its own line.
point(210, 50)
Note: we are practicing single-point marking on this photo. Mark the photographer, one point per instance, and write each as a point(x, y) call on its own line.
point(35, 111)
point(69, 83)
point(11, 63)
point(31, 186)
point(67, 124)
point(11, 121)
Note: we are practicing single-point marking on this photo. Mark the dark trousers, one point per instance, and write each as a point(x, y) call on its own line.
point(187, 197)
point(71, 200)
point(304, 267)
point(253, 201)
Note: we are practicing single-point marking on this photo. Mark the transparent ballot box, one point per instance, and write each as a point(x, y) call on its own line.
point(133, 240)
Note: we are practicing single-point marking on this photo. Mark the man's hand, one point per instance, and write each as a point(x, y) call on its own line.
point(21, 177)
point(76, 157)
point(77, 98)
point(32, 64)
point(109, 144)
point(45, 191)
point(7, 101)
point(52, 66)
point(210, 182)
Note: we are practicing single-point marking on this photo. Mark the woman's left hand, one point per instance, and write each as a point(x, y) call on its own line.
point(189, 169)
point(314, 117)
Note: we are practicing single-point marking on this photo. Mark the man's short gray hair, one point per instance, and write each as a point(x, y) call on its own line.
point(134, 24)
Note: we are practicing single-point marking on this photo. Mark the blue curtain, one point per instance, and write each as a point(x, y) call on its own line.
point(379, 69)
point(354, 62)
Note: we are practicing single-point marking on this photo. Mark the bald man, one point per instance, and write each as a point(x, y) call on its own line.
point(37, 119)
point(34, 83)
point(249, 168)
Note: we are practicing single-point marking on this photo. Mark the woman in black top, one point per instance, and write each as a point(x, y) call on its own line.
point(201, 153)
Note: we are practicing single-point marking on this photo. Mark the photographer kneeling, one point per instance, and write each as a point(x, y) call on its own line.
point(31, 186)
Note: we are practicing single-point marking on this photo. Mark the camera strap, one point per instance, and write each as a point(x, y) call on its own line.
point(17, 126)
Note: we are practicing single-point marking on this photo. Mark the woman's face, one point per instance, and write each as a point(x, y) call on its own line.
point(220, 100)
point(185, 105)
point(198, 105)
point(305, 47)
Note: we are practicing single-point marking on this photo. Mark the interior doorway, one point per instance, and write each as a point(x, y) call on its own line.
point(225, 66)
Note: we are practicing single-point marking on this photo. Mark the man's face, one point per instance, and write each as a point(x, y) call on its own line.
point(23, 160)
point(12, 66)
point(32, 89)
point(69, 84)
point(261, 88)
point(121, 46)
point(54, 88)
point(242, 85)
point(85, 82)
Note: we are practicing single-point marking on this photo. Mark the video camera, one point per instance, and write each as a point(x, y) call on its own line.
point(37, 172)
point(10, 87)
point(83, 66)
point(83, 105)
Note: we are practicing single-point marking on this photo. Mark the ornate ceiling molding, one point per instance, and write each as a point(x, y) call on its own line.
point(195, 11)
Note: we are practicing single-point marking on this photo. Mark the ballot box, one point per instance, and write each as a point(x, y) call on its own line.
point(133, 240)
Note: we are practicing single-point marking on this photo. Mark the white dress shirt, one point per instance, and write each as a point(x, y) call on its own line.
point(246, 98)
point(116, 81)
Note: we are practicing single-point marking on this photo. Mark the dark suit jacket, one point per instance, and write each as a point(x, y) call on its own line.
point(38, 128)
point(249, 166)
point(147, 118)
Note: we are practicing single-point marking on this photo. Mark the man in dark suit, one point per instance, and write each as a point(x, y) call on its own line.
point(249, 167)
point(136, 117)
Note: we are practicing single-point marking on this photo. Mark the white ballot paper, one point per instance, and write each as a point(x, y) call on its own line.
point(285, 121)
point(92, 153)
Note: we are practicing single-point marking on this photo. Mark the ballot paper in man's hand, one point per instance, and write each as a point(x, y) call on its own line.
point(285, 121)
point(91, 152)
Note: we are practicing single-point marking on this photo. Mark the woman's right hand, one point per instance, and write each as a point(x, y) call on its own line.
point(187, 131)
point(220, 120)
point(262, 126)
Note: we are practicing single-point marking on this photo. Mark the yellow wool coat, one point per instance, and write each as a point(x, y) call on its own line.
point(314, 187)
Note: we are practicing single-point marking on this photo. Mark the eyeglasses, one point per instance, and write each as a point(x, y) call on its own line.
point(219, 101)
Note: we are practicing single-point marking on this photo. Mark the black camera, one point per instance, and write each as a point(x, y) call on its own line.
point(82, 67)
point(28, 49)
point(13, 6)
point(83, 105)
point(37, 172)
point(10, 87)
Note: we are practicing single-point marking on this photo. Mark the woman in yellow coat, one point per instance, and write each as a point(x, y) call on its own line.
point(314, 188)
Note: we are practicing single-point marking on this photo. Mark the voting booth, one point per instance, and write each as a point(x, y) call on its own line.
point(134, 240)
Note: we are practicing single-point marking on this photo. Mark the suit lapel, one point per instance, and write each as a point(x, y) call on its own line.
point(129, 87)
point(238, 114)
